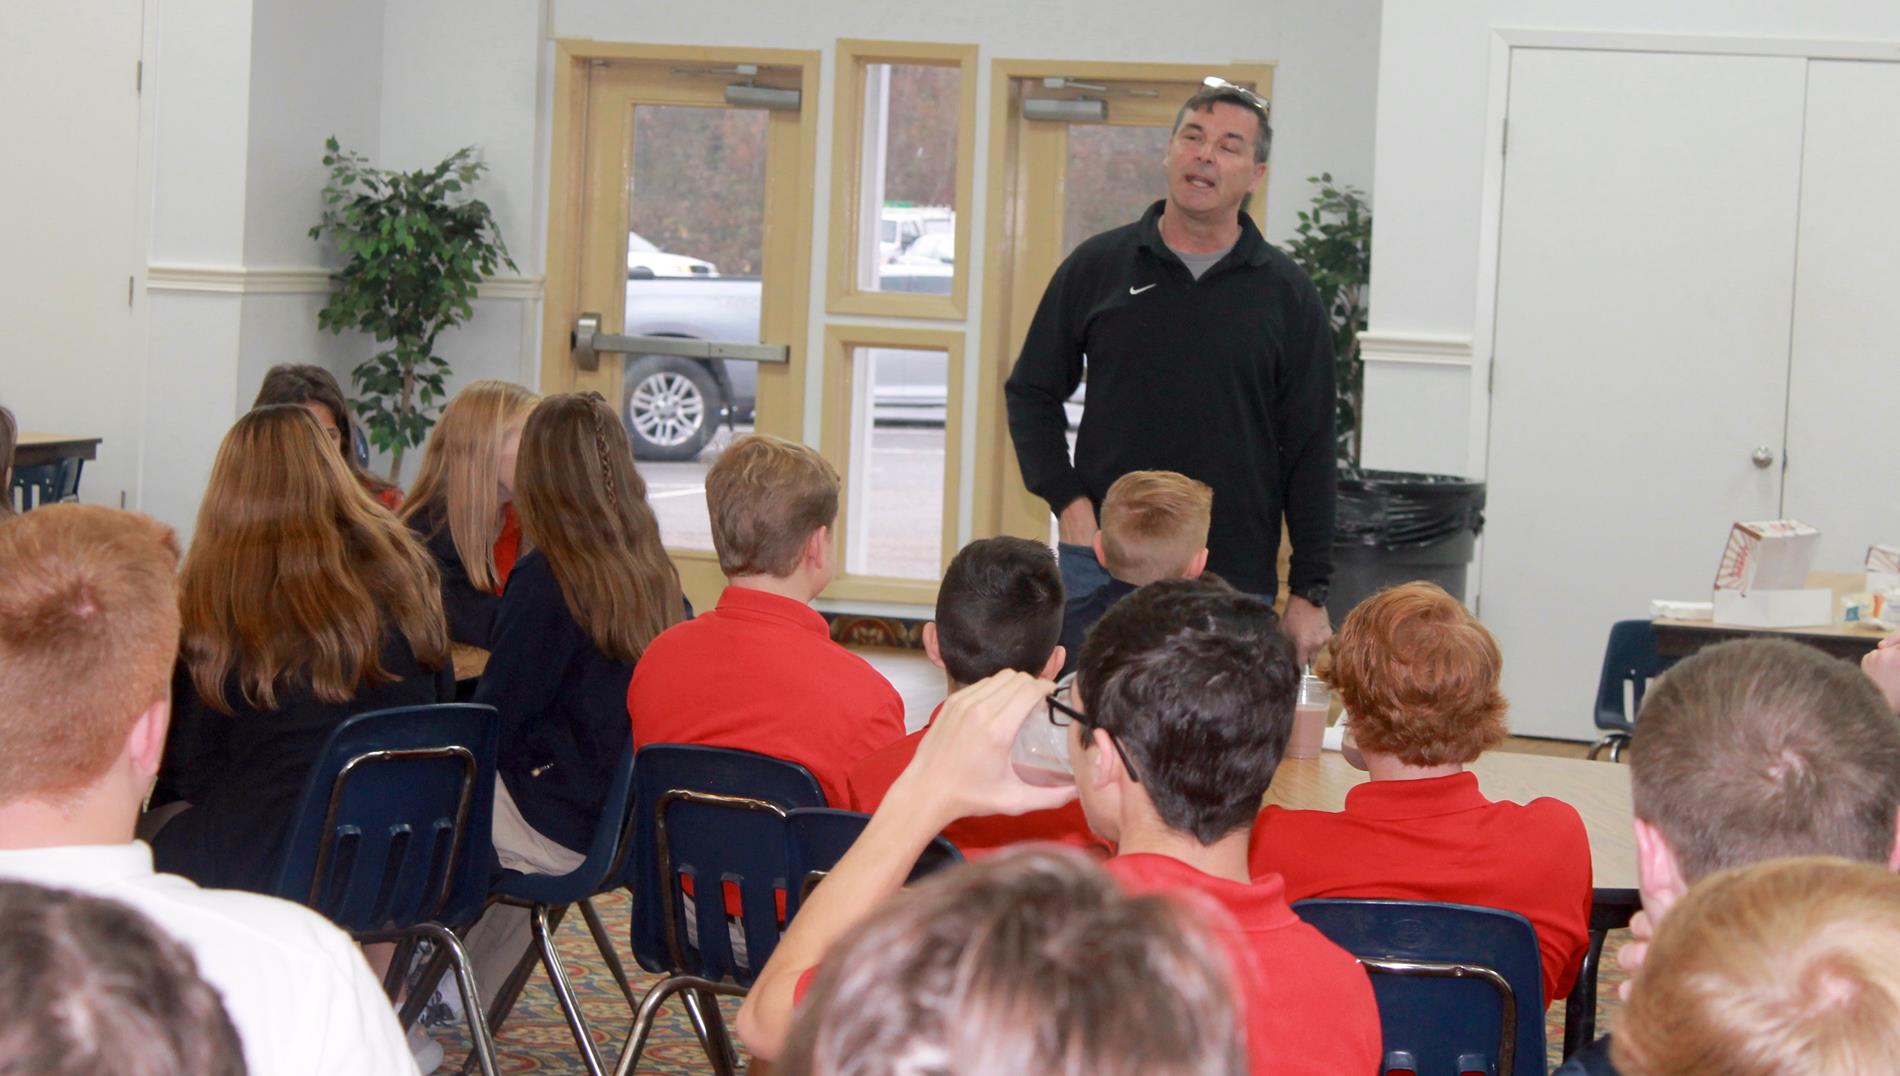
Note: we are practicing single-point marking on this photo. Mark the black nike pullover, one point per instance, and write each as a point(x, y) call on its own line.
point(1227, 379)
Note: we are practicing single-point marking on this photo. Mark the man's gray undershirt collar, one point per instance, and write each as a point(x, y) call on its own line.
point(1198, 264)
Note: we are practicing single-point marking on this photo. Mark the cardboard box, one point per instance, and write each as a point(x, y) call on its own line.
point(1773, 554)
point(1775, 608)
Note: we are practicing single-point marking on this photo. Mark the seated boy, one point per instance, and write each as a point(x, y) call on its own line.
point(1000, 607)
point(759, 672)
point(1154, 526)
point(1419, 675)
point(1184, 705)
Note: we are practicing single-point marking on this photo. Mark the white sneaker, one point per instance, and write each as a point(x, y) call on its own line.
point(427, 1051)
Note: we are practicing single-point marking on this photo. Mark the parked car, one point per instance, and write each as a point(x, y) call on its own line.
point(644, 259)
point(900, 226)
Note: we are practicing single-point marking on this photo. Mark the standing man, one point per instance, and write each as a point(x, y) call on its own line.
point(1208, 353)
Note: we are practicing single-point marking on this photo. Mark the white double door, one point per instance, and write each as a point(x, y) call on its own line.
point(1697, 316)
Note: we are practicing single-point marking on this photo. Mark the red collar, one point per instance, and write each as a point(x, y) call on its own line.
point(1426, 798)
point(1259, 905)
point(744, 603)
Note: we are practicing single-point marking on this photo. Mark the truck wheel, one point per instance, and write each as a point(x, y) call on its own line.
point(671, 409)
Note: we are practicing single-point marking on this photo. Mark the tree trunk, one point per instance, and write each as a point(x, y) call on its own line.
point(402, 412)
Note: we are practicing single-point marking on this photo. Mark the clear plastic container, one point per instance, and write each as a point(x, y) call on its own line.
point(1310, 712)
point(1040, 755)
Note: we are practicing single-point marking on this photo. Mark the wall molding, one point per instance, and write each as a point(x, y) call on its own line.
point(239, 280)
point(1415, 348)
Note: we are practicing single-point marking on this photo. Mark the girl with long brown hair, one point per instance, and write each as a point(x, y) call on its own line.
point(462, 505)
point(579, 611)
point(9, 438)
point(302, 603)
point(316, 390)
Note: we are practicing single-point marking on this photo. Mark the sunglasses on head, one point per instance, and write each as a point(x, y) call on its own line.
point(1215, 82)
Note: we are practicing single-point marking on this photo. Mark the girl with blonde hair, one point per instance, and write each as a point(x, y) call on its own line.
point(462, 505)
point(579, 611)
point(302, 603)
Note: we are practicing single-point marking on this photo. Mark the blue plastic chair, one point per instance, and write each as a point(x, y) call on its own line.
point(1460, 989)
point(549, 896)
point(820, 836)
point(391, 839)
point(47, 483)
point(716, 816)
point(1630, 658)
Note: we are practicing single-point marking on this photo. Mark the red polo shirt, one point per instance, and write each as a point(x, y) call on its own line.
point(760, 673)
point(874, 774)
point(1307, 1006)
point(1440, 839)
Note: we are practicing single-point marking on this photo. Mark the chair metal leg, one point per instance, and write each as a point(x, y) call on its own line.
point(720, 1050)
point(650, 1009)
point(418, 998)
point(483, 1042)
point(398, 970)
point(1580, 1008)
point(1616, 749)
point(564, 991)
point(1615, 741)
point(605, 943)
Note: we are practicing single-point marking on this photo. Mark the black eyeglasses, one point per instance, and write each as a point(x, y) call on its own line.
point(1062, 714)
point(1215, 82)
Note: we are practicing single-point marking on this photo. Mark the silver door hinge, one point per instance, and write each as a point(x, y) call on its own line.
point(130, 283)
point(138, 77)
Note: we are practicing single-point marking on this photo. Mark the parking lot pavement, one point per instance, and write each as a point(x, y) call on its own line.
point(902, 494)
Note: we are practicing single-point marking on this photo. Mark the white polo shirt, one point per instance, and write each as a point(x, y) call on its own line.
point(296, 987)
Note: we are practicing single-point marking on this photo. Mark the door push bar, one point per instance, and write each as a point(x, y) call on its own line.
point(587, 342)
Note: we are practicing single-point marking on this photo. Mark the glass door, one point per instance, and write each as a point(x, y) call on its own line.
point(678, 281)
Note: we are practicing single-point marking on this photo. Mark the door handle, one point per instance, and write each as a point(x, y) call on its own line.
point(1763, 456)
point(587, 342)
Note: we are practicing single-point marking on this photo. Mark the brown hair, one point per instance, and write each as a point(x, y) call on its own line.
point(1760, 748)
point(88, 635)
point(9, 441)
point(1419, 674)
point(294, 573)
point(767, 495)
point(1779, 968)
point(300, 384)
point(1154, 523)
point(1032, 960)
point(584, 506)
point(459, 485)
point(90, 987)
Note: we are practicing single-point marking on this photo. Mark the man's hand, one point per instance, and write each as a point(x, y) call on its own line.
point(962, 766)
point(1630, 957)
point(1882, 666)
point(1306, 624)
point(1076, 523)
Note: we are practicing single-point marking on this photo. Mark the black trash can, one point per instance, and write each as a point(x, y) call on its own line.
point(1395, 527)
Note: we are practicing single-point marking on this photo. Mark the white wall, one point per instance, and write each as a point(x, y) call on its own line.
point(1434, 132)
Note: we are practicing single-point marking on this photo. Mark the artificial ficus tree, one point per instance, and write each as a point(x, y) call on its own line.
point(414, 245)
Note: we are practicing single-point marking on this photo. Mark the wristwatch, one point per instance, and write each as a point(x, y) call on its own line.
point(1315, 593)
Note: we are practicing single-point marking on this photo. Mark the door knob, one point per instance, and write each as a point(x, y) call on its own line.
point(1763, 456)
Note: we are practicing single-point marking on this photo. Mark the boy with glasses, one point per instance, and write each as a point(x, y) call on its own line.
point(1183, 708)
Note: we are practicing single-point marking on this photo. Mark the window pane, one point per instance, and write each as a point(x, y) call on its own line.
point(894, 524)
point(908, 178)
point(1114, 174)
point(696, 219)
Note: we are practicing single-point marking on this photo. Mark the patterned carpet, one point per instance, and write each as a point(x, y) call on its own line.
point(536, 1038)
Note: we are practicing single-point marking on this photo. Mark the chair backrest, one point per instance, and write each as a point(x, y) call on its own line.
point(820, 837)
point(48, 483)
point(607, 852)
point(1460, 989)
point(715, 817)
point(393, 828)
point(1630, 658)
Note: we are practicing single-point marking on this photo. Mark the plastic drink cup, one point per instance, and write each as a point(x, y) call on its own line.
point(1040, 755)
point(1309, 717)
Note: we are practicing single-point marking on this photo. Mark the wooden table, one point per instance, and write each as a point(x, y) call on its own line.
point(1680, 638)
point(1600, 791)
point(40, 449)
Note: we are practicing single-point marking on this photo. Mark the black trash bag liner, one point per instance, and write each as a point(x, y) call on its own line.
point(1396, 510)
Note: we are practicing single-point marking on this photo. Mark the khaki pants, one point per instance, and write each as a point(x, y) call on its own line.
point(498, 939)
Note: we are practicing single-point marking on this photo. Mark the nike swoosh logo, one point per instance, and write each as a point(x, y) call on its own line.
point(1132, 290)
